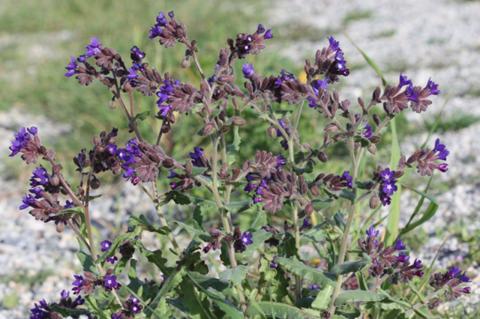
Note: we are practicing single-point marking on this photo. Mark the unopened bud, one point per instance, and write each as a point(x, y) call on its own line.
point(374, 201)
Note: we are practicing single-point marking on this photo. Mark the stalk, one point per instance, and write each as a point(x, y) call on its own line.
point(345, 239)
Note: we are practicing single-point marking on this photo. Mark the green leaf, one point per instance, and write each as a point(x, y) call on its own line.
point(322, 300)
point(308, 273)
point(142, 222)
point(319, 204)
point(172, 281)
point(267, 309)
point(234, 275)
point(426, 215)
point(259, 237)
point(64, 311)
point(142, 116)
point(394, 215)
point(350, 266)
point(351, 296)
point(208, 282)
point(219, 299)
point(86, 261)
point(177, 197)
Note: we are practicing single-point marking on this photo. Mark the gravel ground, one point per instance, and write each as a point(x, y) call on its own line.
point(421, 38)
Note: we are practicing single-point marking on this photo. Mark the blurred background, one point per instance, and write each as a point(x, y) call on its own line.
point(421, 38)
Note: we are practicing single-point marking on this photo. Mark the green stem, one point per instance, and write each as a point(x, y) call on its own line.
point(345, 239)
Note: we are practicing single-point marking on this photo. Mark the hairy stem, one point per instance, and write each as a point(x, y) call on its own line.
point(345, 239)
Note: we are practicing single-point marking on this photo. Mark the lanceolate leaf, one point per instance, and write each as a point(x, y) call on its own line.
point(308, 273)
point(394, 215)
point(217, 298)
point(350, 266)
point(427, 214)
point(351, 296)
point(266, 309)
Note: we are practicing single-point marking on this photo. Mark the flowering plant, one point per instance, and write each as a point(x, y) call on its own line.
point(302, 253)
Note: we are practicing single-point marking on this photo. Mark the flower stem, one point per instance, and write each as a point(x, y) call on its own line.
point(345, 239)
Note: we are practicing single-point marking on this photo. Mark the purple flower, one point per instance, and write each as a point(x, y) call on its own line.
point(136, 54)
point(404, 81)
point(387, 186)
point(372, 232)
point(273, 264)
point(132, 73)
point(197, 157)
point(242, 240)
point(71, 67)
point(93, 48)
point(105, 245)
point(412, 94)
point(441, 150)
point(399, 245)
point(28, 201)
point(40, 310)
point(112, 259)
point(268, 34)
point(155, 31)
point(248, 70)
point(260, 29)
point(117, 315)
point(347, 178)
point(78, 284)
point(161, 19)
point(433, 87)
point(281, 161)
point(283, 77)
point(39, 177)
point(247, 238)
point(318, 85)
point(367, 131)
point(387, 175)
point(110, 282)
point(21, 139)
point(339, 65)
point(133, 305)
point(306, 224)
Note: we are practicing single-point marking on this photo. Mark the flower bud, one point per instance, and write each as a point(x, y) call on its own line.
point(322, 157)
point(238, 121)
point(372, 149)
point(374, 201)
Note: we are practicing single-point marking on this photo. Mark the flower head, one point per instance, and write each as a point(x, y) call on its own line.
point(93, 48)
point(248, 70)
point(71, 67)
point(110, 282)
point(105, 245)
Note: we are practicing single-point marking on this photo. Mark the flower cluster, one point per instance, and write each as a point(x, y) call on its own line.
point(167, 30)
point(392, 261)
point(453, 282)
point(132, 307)
point(253, 43)
point(405, 94)
point(429, 160)
point(104, 247)
point(27, 143)
point(44, 310)
point(267, 181)
point(387, 185)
